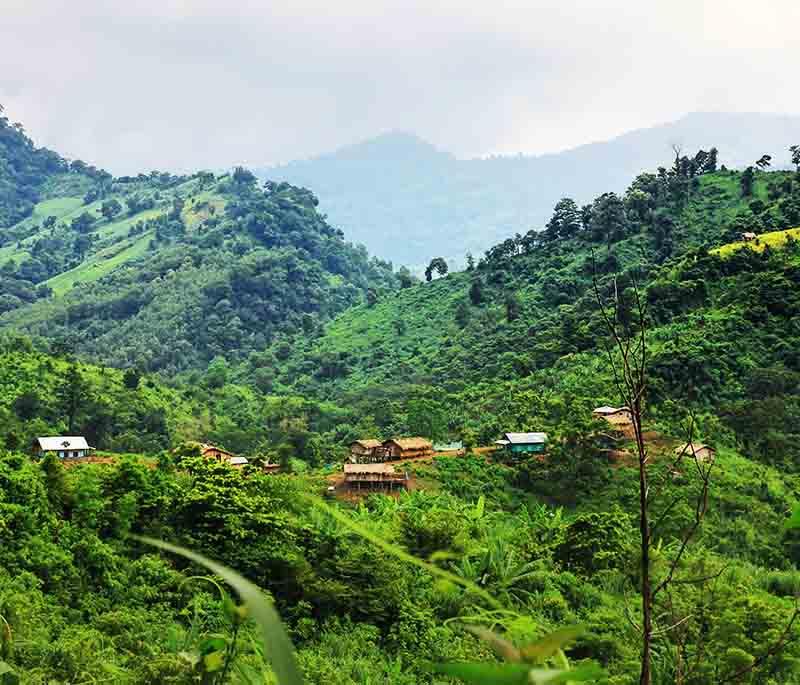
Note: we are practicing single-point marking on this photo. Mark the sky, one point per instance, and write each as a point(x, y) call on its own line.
point(187, 84)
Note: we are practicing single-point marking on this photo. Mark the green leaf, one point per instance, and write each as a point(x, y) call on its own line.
point(213, 661)
point(502, 647)
point(550, 644)
point(485, 674)
point(7, 675)
point(480, 507)
point(192, 657)
point(213, 644)
point(276, 644)
point(581, 674)
point(400, 553)
point(445, 587)
point(794, 520)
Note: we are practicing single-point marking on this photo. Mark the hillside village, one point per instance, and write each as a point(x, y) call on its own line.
point(200, 375)
point(374, 465)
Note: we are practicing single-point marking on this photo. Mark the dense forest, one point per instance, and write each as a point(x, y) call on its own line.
point(167, 273)
point(525, 318)
point(209, 309)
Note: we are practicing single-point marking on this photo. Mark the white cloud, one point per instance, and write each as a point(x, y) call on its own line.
point(184, 84)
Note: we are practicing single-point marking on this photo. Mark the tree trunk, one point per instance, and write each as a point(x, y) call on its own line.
point(644, 533)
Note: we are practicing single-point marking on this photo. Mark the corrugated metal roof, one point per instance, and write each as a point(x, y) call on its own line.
point(448, 446)
point(63, 442)
point(238, 461)
point(525, 438)
point(607, 410)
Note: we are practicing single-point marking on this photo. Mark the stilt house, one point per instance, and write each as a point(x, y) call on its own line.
point(364, 451)
point(374, 477)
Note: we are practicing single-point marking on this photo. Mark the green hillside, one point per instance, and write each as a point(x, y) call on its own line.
point(457, 329)
point(72, 576)
point(502, 346)
point(29, 175)
point(42, 394)
point(269, 335)
point(206, 266)
point(773, 239)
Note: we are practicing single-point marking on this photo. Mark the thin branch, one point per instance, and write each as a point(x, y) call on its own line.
point(772, 651)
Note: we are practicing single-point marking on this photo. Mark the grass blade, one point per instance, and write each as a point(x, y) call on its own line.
point(485, 674)
point(502, 647)
point(278, 647)
point(550, 644)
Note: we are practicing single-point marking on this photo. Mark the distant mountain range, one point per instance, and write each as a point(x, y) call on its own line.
point(408, 201)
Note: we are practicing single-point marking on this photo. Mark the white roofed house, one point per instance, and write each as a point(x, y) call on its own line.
point(63, 446)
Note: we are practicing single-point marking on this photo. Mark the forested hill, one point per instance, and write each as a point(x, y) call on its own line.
point(165, 272)
point(312, 345)
point(29, 174)
point(525, 318)
point(408, 201)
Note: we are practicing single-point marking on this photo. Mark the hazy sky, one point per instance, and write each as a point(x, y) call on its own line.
point(199, 83)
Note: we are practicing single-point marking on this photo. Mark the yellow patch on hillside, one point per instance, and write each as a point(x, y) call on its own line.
point(775, 239)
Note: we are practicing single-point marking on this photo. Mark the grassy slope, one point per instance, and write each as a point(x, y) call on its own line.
point(114, 247)
point(100, 263)
point(775, 239)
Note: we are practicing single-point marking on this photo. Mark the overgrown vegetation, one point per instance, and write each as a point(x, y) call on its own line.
point(273, 337)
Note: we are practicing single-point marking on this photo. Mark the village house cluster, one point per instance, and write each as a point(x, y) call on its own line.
point(76, 447)
point(370, 463)
point(221, 455)
point(372, 451)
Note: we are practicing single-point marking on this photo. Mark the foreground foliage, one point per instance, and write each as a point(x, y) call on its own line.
point(84, 600)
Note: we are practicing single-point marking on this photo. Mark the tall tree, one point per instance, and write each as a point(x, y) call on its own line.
point(608, 221)
point(476, 292)
point(110, 208)
point(747, 179)
point(626, 320)
point(566, 220)
point(512, 307)
point(438, 265)
point(470, 261)
point(711, 160)
point(82, 223)
point(795, 150)
point(73, 396)
point(764, 161)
